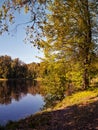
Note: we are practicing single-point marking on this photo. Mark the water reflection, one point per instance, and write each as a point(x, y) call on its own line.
point(10, 90)
point(19, 99)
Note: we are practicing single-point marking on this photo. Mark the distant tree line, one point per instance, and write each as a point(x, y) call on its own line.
point(15, 68)
point(12, 90)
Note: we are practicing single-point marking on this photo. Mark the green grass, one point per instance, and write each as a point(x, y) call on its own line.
point(79, 97)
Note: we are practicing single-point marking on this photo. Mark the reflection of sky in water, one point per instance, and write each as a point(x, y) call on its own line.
point(27, 105)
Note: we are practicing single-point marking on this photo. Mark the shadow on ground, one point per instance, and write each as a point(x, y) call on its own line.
point(77, 117)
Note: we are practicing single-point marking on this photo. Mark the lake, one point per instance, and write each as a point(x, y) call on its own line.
point(19, 99)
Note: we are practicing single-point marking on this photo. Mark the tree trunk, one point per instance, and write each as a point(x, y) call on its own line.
point(85, 79)
point(87, 58)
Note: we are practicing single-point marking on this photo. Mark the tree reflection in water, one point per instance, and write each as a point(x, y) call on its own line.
point(16, 89)
point(19, 99)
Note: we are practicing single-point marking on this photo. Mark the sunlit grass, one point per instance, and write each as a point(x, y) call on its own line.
point(79, 97)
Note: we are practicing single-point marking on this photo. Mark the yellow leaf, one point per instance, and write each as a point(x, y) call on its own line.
point(11, 17)
point(26, 9)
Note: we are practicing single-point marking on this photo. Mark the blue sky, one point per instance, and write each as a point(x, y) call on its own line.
point(14, 45)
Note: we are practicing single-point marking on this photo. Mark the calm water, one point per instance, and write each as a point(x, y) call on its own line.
point(19, 99)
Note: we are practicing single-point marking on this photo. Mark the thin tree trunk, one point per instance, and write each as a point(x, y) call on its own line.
point(87, 48)
point(85, 79)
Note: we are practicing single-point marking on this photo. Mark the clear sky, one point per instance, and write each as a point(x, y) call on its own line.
point(14, 45)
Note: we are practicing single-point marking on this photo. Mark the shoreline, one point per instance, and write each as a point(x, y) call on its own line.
point(81, 106)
